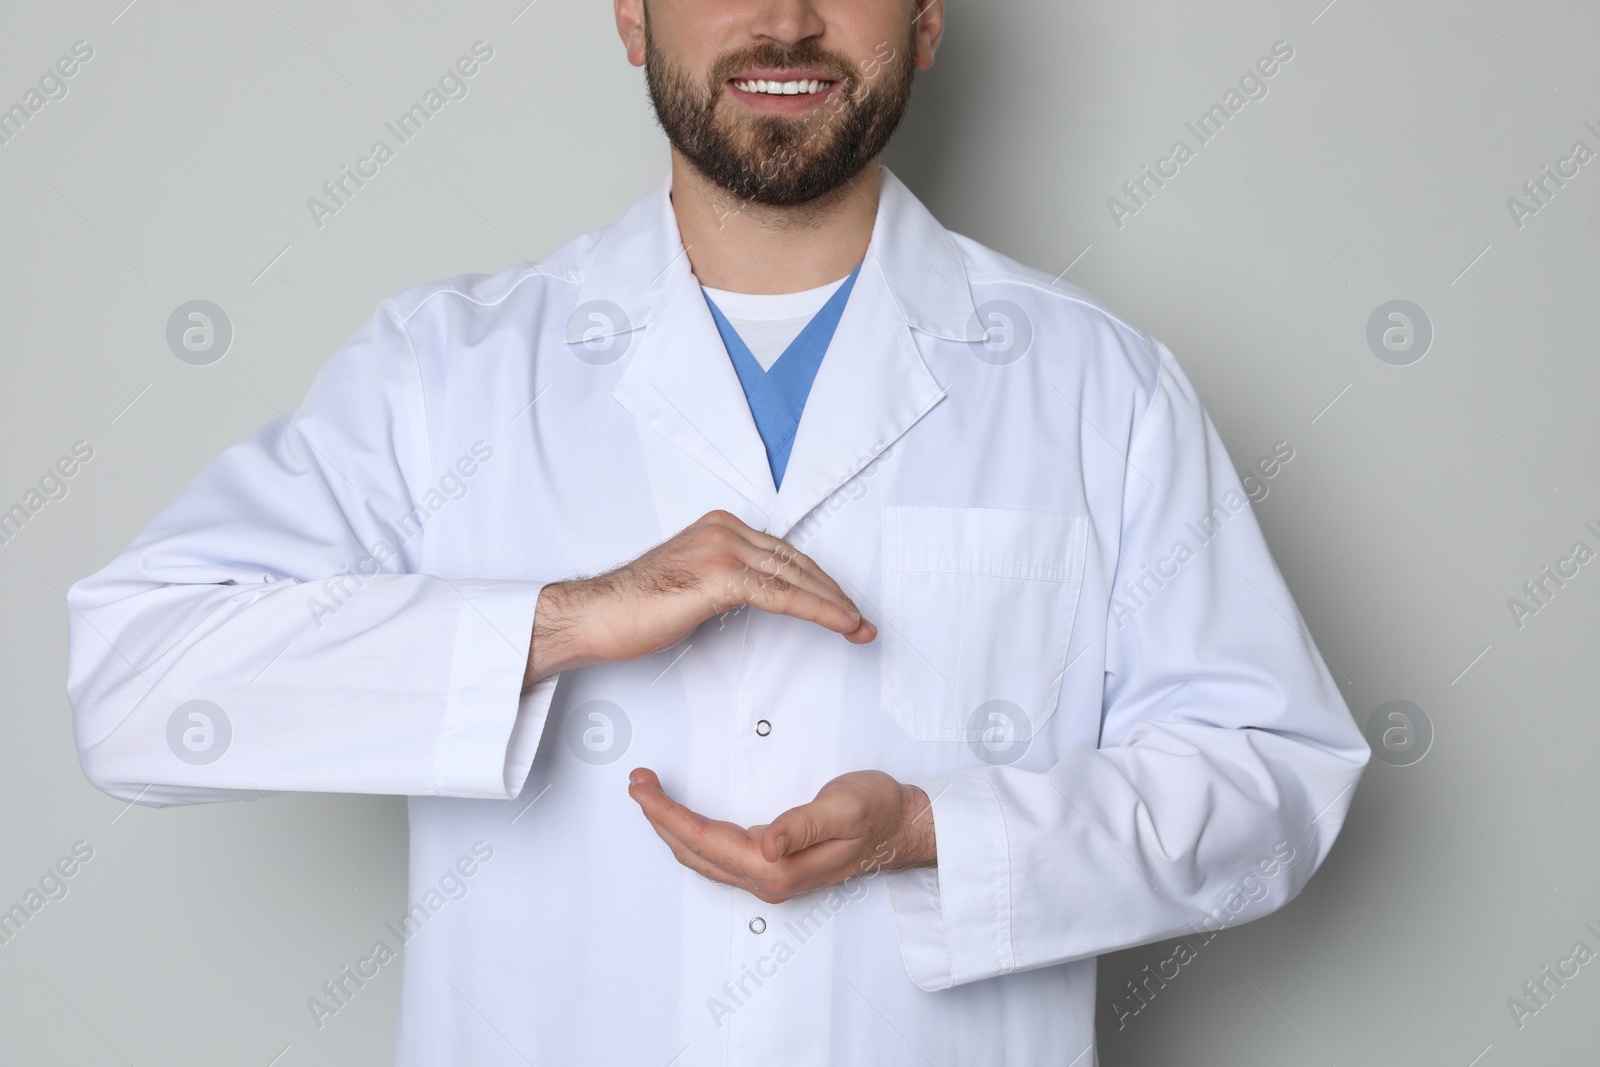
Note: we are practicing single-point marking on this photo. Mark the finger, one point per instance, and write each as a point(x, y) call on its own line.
point(767, 556)
point(738, 569)
point(827, 818)
point(681, 822)
point(782, 554)
point(720, 845)
point(763, 568)
point(803, 598)
point(781, 597)
point(779, 556)
point(693, 860)
point(784, 562)
point(823, 864)
point(693, 853)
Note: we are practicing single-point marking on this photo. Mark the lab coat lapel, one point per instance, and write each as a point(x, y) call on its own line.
point(679, 381)
point(873, 385)
point(871, 388)
point(682, 385)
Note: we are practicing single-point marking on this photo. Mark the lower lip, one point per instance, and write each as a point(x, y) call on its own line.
point(779, 103)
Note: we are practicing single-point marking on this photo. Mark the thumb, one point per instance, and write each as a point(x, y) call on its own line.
point(796, 829)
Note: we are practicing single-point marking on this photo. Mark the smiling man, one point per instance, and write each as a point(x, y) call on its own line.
point(812, 636)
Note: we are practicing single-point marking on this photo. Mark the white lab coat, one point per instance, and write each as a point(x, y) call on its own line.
point(1120, 736)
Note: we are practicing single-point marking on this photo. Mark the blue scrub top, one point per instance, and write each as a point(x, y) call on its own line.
point(777, 397)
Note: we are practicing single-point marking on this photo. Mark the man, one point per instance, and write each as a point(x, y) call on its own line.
point(942, 664)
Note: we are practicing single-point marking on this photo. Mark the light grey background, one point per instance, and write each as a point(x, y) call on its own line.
point(1378, 167)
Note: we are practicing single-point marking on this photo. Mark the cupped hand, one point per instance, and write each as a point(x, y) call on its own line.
point(859, 823)
point(716, 564)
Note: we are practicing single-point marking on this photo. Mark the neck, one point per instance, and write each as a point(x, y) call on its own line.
point(756, 248)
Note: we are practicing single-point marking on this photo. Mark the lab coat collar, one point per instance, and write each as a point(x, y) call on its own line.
point(921, 263)
point(872, 387)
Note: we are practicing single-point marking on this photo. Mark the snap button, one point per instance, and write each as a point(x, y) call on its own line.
point(763, 728)
point(758, 925)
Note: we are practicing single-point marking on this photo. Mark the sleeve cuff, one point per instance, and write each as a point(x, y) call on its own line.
point(953, 922)
point(491, 726)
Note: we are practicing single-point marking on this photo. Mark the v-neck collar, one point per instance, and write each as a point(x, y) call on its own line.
point(777, 394)
point(679, 383)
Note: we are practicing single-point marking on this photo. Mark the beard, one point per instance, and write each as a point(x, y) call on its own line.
point(773, 159)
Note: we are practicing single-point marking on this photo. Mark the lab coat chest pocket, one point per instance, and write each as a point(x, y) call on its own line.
point(979, 606)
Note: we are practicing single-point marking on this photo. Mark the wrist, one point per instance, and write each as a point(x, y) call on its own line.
point(918, 846)
point(559, 641)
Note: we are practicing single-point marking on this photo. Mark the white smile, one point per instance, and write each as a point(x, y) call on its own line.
point(795, 88)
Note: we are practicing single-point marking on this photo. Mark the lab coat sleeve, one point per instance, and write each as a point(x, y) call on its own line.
point(1226, 763)
point(277, 591)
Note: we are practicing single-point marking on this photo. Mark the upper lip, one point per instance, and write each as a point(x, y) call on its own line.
point(783, 74)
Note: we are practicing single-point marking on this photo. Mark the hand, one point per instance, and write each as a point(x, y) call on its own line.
point(718, 563)
point(860, 823)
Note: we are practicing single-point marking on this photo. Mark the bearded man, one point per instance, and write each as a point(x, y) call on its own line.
point(917, 590)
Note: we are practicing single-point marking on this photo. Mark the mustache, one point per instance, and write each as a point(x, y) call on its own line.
point(807, 54)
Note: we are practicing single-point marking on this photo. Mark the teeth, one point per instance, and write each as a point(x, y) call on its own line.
point(791, 88)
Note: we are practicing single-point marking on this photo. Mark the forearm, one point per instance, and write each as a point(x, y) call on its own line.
point(560, 639)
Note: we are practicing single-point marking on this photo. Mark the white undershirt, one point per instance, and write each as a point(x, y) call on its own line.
point(769, 323)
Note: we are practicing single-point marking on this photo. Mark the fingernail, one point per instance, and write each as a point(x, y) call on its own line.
point(783, 845)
